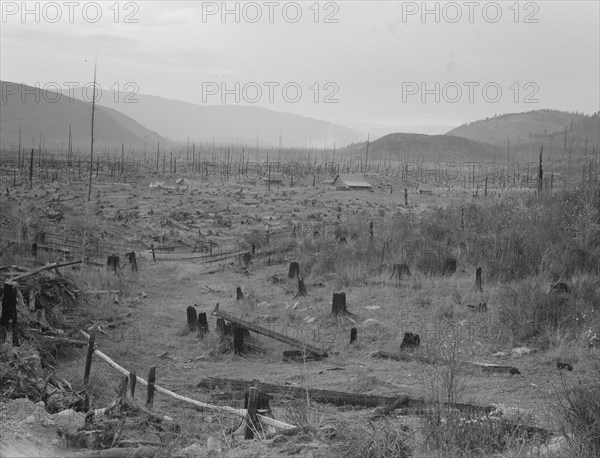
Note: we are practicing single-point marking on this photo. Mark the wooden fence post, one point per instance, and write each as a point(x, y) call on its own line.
point(353, 335)
point(251, 418)
point(478, 285)
point(88, 358)
point(132, 382)
point(151, 380)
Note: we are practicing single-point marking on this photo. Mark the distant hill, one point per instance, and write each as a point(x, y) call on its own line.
point(418, 147)
point(529, 126)
point(49, 114)
point(229, 123)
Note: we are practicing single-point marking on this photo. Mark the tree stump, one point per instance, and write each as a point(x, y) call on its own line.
point(338, 306)
point(238, 340)
point(34, 247)
point(151, 381)
point(112, 263)
point(192, 318)
point(371, 230)
point(400, 270)
point(238, 294)
point(246, 260)
point(202, 325)
point(132, 261)
point(478, 285)
point(410, 341)
point(449, 266)
point(252, 423)
point(301, 287)
point(353, 335)
point(9, 310)
point(294, 270)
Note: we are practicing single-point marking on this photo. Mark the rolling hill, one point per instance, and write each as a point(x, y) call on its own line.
point(531, 126)
point(179, 120)
point(419, 147)
point(49, 114)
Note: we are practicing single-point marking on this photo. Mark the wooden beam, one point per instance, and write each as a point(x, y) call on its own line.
point(269, 333)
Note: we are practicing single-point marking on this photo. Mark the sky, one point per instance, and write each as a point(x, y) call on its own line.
point(369, 65)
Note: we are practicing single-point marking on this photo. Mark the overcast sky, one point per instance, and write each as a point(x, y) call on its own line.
point(376, 56)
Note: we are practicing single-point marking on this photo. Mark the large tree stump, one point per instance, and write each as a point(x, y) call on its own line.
point(338, 305)
point(238, 294)
point(192, 318)
point(238, 340)
point(301, 287)
point(294, 270)
point(202, 325)
point(112, 263)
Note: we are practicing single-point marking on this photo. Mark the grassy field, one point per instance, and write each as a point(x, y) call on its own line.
point(523, 242)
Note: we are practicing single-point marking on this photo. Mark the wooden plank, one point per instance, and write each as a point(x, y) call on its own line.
point(269, 333)
point(239, 412)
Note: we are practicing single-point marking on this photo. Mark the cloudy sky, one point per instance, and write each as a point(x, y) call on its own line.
point(378, 64)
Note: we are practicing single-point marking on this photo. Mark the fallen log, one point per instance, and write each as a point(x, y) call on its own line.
point(486, 367)
point(115, 452)
point(269, 333)
point(54, 265)
point(338, 398)
point(414, 406)
point(239, 412)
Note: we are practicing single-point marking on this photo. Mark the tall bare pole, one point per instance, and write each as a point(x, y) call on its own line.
point(92, 140)
point(367, 155)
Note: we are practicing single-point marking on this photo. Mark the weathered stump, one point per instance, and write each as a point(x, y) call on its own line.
point(192, 318)
point(238, 294)
point(294, 270)
point(151, 381)
point(132, 260)
point(202, 325)
point(252, 423)
point(410, 341)
point(112, 263)
point(132, 383)
point(478, 285)
point(449, 266)
point(246, 260)
point(301, 287)
point(9, 310)
point(238, 340)
point(353, 335)
point(400, 270)
point(338, 305)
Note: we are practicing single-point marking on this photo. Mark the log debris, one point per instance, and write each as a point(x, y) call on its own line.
point(269, 333)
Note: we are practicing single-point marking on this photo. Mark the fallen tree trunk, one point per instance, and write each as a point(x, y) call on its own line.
point(269, 333)
point(338, 398)
point(54, 265)
point(486, 367)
